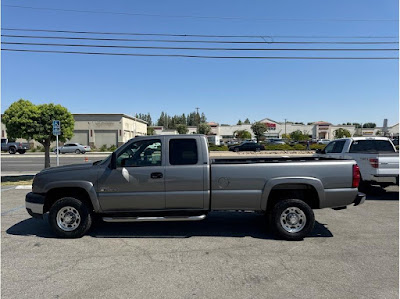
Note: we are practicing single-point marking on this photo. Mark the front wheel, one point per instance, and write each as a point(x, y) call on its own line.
point(12, 150)
point(70, 218)
point(21, 152)
point(292, 219)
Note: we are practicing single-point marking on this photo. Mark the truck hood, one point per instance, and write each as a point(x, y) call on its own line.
point(67, 168)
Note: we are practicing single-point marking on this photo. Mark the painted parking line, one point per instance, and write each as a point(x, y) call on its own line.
point(23, 187)
point(9, 188)
point(12, 210)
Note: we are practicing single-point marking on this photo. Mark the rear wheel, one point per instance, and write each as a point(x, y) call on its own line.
point(70, 218)
point(236, 150)
point(292, 219)
point(21, 152)
point(12, 150)
point(77, 151)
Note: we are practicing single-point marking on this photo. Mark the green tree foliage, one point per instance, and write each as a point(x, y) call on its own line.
point(182, 128)
point(357, 125)
point(285, 136)
point(340, 133)
point(150, 131)
point(145, 117)
point(259, 129)
point(26, 120)
point(247, 121)
point(204, 129)
point(369, 125)
point(298, 136)
point(171, 122)
point(239, 122)
point(242, 134)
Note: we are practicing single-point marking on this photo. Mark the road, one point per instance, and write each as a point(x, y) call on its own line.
point(32, 163)
point(351, 253)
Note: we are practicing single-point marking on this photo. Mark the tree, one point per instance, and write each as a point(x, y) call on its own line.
point(204, 129)
point(182, 128)
point(285, 136)
point(242, 134)
point(340, 133)
point(239, 122)
point(369, 125)
point(247, 121)
point(378, 133)
point(150, 131)
point(298, 136)
point(259, 129)
point(26, 120)
point(357, 125)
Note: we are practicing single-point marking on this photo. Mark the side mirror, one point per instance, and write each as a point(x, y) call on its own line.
point(113, 163)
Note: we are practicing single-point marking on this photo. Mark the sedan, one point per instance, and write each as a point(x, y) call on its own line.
point(323, 141)
point(73, 148)
point(247, 146)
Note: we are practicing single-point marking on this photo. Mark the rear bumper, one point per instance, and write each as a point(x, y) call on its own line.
point(34, 204)
point(360, 199)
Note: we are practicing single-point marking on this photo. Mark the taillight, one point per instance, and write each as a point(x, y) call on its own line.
point(374, 163)
point(20, 144)
point(356, 176)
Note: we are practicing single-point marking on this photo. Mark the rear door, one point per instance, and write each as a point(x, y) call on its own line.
point(184, 184)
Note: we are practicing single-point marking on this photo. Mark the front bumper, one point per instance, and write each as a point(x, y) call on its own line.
point(34, 204)
point(360, 199)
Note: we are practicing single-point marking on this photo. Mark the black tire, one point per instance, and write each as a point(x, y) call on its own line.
point(21, 152)
point(295, 204)
point(12, 150)
point(82, 226)
point(77, 151)
point(258, 149)
point(236, 150)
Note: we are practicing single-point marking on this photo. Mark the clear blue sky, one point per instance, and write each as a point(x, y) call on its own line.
point(225, 90)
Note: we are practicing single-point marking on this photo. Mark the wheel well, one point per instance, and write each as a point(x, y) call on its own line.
point(55, 194)
point(304, 192)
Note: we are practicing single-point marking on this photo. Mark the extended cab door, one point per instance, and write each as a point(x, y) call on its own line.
point(138, 181)
point(185, 173)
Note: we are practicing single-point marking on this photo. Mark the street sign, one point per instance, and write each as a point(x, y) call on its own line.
point(56, 127)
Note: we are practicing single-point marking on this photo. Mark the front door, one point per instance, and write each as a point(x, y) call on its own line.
point(138, 181)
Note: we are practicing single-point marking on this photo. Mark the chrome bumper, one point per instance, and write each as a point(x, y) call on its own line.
point(34, 204)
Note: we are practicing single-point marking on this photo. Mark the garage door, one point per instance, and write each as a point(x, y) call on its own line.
point(81, 137)
point(103, 137)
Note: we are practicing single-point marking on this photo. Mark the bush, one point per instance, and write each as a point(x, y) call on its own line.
point(317, 146)
point(103, 148)
point(215, 148)
point(112, 148)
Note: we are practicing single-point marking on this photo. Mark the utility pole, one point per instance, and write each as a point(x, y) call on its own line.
point(198, 123)
point(285, 127)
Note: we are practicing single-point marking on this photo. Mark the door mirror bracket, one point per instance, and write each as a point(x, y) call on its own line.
point(113, 163)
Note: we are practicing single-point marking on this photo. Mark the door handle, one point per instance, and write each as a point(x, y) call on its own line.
point(156, 175)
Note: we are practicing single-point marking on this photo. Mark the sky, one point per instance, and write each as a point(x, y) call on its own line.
point(226, 90)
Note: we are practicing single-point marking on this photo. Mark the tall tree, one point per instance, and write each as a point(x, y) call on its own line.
point(242, 134)
point(259, 129)
point(247, 121)
point(298, 136)
point(369, 125)
point(239, 122)
point(25, 120)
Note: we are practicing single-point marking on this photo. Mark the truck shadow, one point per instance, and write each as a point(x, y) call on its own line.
point(217, 224)
point(378, 193)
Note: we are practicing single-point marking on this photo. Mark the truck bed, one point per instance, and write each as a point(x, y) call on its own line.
point(269, 160)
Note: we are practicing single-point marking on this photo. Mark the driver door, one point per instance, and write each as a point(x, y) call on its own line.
point(138, 181)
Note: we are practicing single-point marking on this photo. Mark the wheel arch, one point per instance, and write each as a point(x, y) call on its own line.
point(309, 186)
point(85, 191)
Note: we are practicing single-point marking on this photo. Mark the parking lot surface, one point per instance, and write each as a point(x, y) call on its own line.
point(351, 253)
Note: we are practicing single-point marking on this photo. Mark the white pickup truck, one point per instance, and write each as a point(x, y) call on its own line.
point(377, 158)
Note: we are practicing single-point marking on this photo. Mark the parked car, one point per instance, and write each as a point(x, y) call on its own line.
point(13, 147)
point(247, 146)
point(73, 148)
point(377, 158)
point(275, 141)
point(323, 141)
point(179, 182)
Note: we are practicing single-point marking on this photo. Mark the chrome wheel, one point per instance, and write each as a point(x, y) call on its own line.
point(68, 218)
point(293, 219)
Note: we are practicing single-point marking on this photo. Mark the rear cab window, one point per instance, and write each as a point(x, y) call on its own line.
point(183, 152)
point(371, 146)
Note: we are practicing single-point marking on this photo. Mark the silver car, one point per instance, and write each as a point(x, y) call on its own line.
point(73, 148)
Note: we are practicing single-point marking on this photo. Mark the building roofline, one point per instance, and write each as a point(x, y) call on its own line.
point(118, 114)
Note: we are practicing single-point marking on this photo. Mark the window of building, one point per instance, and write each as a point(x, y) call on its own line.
point(183, 152)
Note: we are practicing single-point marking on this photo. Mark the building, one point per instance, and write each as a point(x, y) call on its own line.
point(101, 129)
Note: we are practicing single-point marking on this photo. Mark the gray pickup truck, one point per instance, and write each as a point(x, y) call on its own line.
point(172, 178)
point(13, 147)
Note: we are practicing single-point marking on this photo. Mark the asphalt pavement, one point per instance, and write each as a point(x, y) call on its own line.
point(351, 253)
